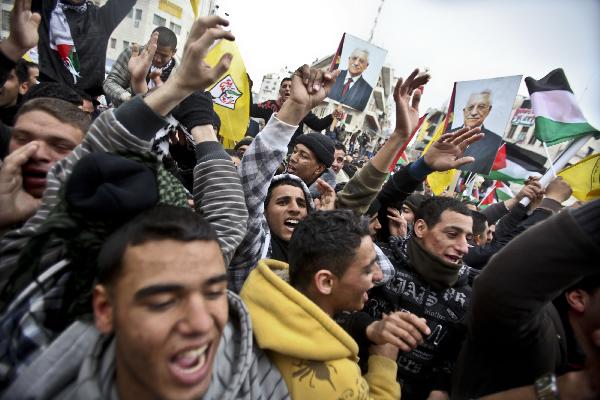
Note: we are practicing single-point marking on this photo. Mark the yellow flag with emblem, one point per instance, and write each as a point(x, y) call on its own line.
point(231, 93)
point(584, 178)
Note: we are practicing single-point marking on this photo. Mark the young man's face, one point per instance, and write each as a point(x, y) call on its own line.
point(167, 310)
point(482, 239)
point(287, 207)
point(285, 91)
point(34, 74)
point(304, 164)
point(448, 239)
point(162, 56)
point(9, 93)
point(338, 160)
point(56, 140)
point(374, 225)
point(408, 214)
point(350, 290)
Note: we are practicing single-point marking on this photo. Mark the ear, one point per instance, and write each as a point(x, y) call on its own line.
point(323, 281)
point(320, 169)
point(420, 227)
point(23, 88)
point(577, 299)
point(103, 309)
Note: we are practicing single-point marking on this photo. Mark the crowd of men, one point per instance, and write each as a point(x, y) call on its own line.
point(139, 259)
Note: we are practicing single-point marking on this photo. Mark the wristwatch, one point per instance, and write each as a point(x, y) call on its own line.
point(546, 387)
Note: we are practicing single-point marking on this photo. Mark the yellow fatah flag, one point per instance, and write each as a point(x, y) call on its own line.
point(195, 6)
point(584, 178)
point(231, 93)
point(439, 181)
point(423, 130)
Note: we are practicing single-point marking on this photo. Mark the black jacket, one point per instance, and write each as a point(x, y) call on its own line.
point(514, 332)
point(90, 32)
point(6, 65)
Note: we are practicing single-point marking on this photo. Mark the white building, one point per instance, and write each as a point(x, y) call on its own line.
point(269, 87)
point(5, 7)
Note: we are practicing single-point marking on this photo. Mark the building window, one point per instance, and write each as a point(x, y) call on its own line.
point(138, 14)
point(531, 139)
point(349, 118)
point(125, 44)
point(5, 20)
point(113, 43)
point(159, 21)
point(511, 132)
point(175, 28)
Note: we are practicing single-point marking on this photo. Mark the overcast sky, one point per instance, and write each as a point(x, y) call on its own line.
point(456, 39)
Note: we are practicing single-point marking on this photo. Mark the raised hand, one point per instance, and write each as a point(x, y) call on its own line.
point(23, 30)
point(407, 115)
point(558, 190)
point(16, 205)
point(447, 152)
point(194, 73)
point(327, 200)
point(140, 62)
point(397, 224)
point(311, 85)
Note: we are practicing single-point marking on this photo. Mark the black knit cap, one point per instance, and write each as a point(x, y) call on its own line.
point(321, 145)
point(247, 141)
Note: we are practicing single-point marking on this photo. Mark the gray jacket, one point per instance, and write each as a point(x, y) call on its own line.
point(80, 364)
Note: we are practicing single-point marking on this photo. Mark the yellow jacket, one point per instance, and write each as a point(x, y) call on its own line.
point(316, 357)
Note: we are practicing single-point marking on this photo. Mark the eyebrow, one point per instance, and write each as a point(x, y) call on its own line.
point(170, 288)
point(458, 229)
point(369, 265)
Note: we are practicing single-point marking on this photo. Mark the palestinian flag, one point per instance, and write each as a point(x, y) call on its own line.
point(515, 164)
point(489, 197)
point(558, 118)
point(495, 193)
point(503, 192)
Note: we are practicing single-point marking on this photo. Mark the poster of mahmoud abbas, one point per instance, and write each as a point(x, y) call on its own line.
point(360, 64)
point(487, 104)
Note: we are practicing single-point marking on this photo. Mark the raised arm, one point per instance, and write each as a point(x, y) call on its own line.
point(534, 268)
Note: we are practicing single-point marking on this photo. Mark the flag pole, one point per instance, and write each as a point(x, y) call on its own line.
point(560, 163)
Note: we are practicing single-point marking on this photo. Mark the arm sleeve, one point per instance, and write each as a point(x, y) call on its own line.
point(494, 212)
point(256, 170)
point(219, 197)
point(361, 189)
point(128, 128)
point(112, 13)
point(259, 112)
point(118, 80)
point(382, 378)
point(316, 123)
point(533, 269)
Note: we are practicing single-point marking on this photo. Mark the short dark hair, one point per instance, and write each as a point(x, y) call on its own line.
point(22, 70)
point(284, 80)
point(162, 222)
point(53, 90)
point(339, 146)
point(281, 182)
point(431, 210)
point(61, 110)
point(479, 222)
point(166, 37)
point(324, 239)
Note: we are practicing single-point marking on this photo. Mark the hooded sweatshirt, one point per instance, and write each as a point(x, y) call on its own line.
point(317, 358)
point(80, 364)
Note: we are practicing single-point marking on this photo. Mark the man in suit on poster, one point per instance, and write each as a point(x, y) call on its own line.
point(484, 151)
point(350, 87)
